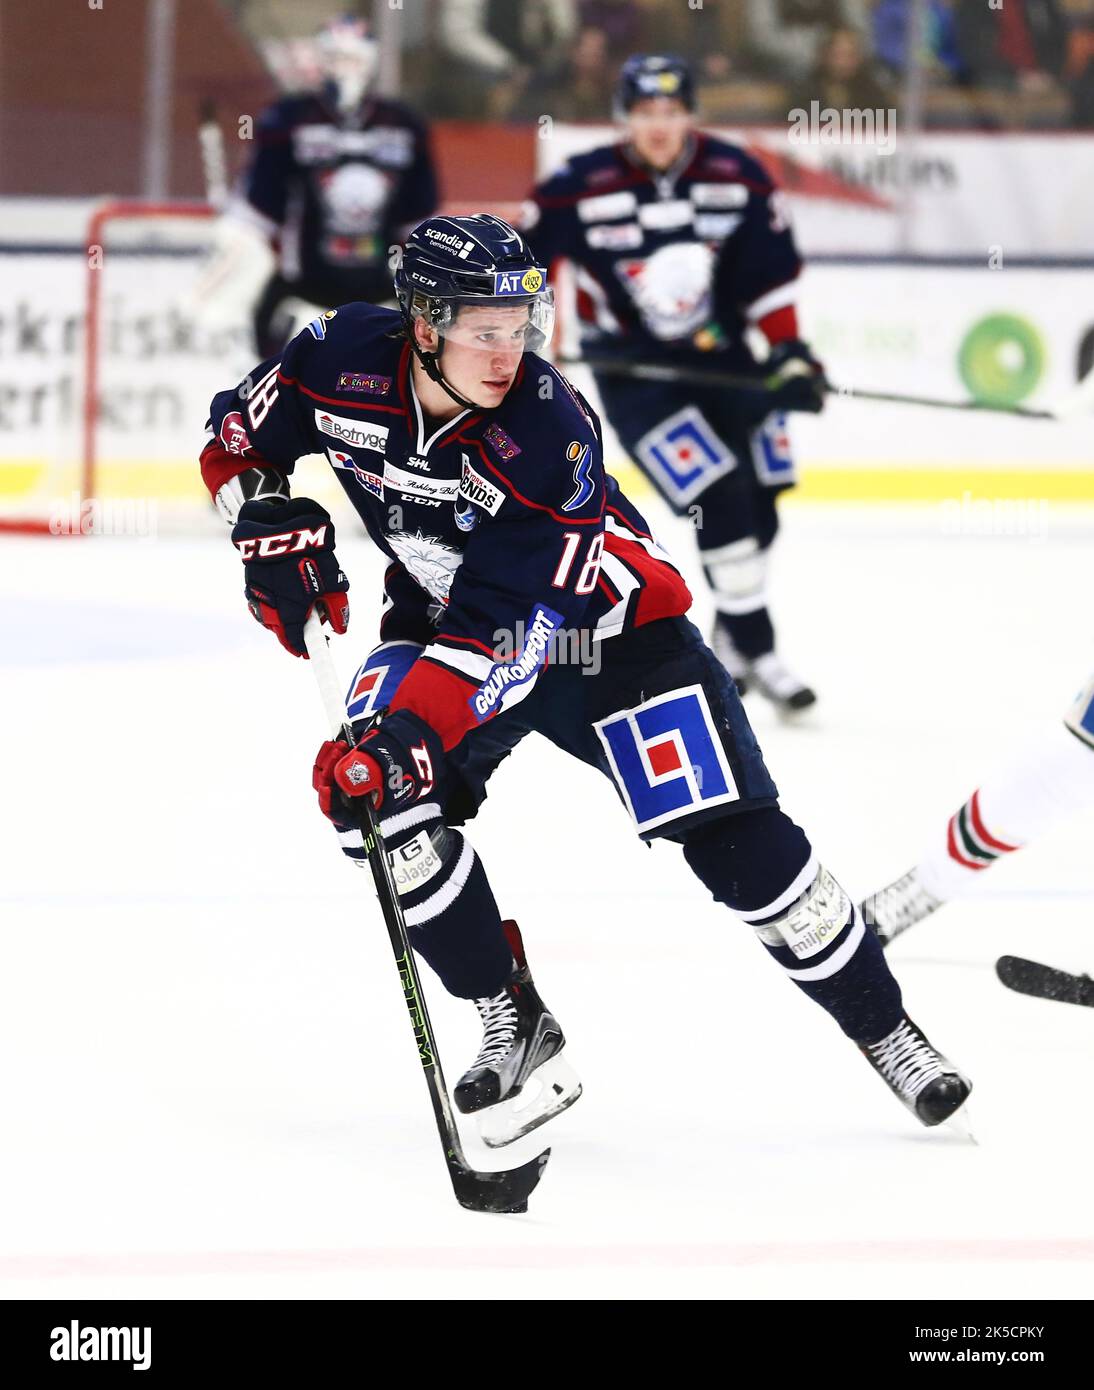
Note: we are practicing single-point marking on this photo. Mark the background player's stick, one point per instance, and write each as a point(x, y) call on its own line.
point(1044, 982)
point(666, 371)
point(214, 163)
point(505, 1191)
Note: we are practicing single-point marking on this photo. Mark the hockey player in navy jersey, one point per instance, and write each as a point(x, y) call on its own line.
point(337, 176)
point(514, 559)
point(679, 243)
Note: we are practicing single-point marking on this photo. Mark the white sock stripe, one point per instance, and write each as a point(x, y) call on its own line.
point(351, 839)
point(735, 550)
point(425, 810)
point(836, 961)
point(796, 889)
point(447, 894)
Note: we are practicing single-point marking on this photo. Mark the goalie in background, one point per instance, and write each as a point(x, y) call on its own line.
point(337, 176)
point(1049, 781)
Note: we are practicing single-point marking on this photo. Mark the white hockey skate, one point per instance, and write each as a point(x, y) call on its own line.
point(900, 905)
point(518, 1081)
point(767, 674)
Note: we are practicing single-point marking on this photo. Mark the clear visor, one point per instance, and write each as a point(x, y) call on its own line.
point(501, 326)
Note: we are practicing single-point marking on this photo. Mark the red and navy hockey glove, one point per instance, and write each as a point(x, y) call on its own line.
point(795, 377)
point(289, 566)
point(397, 763)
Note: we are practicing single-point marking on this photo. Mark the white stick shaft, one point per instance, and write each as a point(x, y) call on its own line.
point(326, 676)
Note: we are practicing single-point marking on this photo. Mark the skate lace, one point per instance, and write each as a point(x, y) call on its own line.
point(902, 904)
point(499, 1020)
point(906, 1060)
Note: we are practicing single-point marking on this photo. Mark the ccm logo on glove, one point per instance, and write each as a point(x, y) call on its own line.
point(266, 547)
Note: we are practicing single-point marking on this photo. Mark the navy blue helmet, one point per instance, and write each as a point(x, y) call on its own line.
point(480, 260)
point(654, 75)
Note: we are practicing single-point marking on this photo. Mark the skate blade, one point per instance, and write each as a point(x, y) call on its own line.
point(960, 1123)
point(549, 1090)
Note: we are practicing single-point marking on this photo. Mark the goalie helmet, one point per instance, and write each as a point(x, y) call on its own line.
point(449, 262)
point(649, 75)
point(348, 59)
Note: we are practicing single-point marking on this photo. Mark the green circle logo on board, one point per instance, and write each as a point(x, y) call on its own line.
point(1001, 359)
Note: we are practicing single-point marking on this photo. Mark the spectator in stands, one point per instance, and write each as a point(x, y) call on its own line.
point(1080, 62)
point(590, 77)
point(843, 77)
point(938, 47)
point(1021, 45)
point(618, 20)
point(499, 44)
point(786, 35)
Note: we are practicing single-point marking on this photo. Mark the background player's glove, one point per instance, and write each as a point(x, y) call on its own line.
point(397, 762)
point(289, 566)
point(795, 377)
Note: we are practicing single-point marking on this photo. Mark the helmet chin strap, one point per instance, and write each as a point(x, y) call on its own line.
point(431, 366)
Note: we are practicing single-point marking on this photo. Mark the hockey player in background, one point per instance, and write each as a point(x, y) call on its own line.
point(680, 243)
point(338, 175)
point(1051, 780)
point(524, 593)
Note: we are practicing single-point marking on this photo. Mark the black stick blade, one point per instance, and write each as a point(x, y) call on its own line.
point(1045, 982)
point(507, 1191)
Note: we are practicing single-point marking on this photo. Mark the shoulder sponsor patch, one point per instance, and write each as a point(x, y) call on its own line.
point(318, 327)
point(500, 442)
point(371, 482)
point(356, 434)
point(476, 489)
point(364, 383)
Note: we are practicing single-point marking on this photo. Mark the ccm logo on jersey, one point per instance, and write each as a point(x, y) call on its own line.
point(359, 434)
point(287, 543)
point(518, 674)
point(474, 488)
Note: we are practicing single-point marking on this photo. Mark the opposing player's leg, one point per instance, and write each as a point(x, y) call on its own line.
point(676, 742)
point(1050, 779)
point(518, 1080)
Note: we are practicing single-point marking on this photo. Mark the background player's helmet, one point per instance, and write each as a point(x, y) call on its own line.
point(480, 260)
point(348, 59)
point(653, 75)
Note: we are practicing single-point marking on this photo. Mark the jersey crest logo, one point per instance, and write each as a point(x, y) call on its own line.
point(667, 759)
point(580, 456)
point(500, 442)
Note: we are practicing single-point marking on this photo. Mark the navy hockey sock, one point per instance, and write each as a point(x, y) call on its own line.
point(760, 864)
point(452, 919)
point(752, 633)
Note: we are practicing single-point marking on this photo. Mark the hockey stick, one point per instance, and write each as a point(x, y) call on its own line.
point(1045, 982)
point(696, 376)
point(214, 169)
point(505, 1191)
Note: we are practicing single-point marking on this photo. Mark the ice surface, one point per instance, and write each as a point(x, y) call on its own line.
point(210, 1088)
